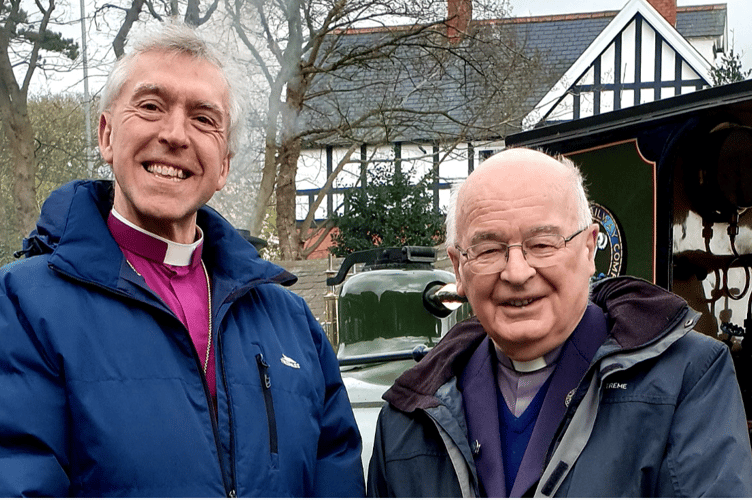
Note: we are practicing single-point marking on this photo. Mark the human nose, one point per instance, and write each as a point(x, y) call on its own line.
point(517, 269)
point(173, 131)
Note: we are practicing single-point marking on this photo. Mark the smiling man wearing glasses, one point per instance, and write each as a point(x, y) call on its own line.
point(553, 389)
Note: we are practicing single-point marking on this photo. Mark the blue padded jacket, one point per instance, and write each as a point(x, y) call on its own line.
point(103, 394)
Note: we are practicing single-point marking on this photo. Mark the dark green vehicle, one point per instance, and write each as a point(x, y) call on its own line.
point(389, 315)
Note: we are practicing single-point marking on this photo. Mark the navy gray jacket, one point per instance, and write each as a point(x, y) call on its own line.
point(650, 408)
point(103, 393)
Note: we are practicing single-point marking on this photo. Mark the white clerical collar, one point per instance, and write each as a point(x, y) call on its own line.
point(532, 365)
point(529, 366)
point(176, 254)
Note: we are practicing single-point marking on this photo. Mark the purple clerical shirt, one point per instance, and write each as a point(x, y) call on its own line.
point(520, 387)
point(175, 272)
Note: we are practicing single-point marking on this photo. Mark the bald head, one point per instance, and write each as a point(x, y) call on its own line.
point(516, 171)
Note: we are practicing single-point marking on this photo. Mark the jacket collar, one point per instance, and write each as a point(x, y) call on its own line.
point(638, 313)
point(416, 388)
point(72, 229)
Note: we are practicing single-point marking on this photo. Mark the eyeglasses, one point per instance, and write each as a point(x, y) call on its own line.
point(491, 257)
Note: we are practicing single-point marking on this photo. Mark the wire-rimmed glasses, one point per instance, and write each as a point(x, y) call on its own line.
point(490, 257)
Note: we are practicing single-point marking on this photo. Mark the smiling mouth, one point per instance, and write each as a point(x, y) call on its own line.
point(519, 302)
point(167, 172)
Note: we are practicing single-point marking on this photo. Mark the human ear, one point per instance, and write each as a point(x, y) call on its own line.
point(224, 172)
point(105, 137)
point(591, 240)
point(454, 256)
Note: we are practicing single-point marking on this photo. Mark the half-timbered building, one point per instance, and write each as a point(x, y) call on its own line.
point(588, 64)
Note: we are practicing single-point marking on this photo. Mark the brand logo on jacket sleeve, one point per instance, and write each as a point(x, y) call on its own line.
point(616, 385)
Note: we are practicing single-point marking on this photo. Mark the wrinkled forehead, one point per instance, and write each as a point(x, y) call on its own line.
point(194, 77)
point(199, 66)
point(508, 191)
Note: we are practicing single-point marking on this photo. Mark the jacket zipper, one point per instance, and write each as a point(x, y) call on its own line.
point(229, 488)
point(556, 477)
point(232, 489)
point(266, 386)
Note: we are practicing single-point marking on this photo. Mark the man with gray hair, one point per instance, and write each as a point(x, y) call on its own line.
point(145, 348)
point(550, 389)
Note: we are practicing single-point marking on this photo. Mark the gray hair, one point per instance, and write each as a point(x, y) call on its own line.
point(451, 216)
point(176, 37)
point(582, 203)
point(584, 215)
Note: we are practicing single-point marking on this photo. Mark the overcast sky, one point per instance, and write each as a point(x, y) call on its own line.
point(739, 16)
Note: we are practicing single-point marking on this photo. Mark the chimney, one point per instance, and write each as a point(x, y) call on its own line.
point(459, 14)
point(666, 8)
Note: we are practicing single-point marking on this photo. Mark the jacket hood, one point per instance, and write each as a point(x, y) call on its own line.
point(69, 230)
point(53, 217)
point(638, 314)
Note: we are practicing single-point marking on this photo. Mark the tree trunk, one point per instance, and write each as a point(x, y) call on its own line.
point(289, 242)
point(289, 153)
point(268, 178)
point(269, 172)
point(15, 117)
point(266, 187)
point(20, 139)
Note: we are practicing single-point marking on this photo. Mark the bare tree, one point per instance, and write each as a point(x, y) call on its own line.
point(131, 12)
point(61, 152)
point(25, 38)
point(330, 82)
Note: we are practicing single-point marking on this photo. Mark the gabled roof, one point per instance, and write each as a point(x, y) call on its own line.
point(561, 39)
point(563, 44)
point(644, 120)
point(634, 10)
